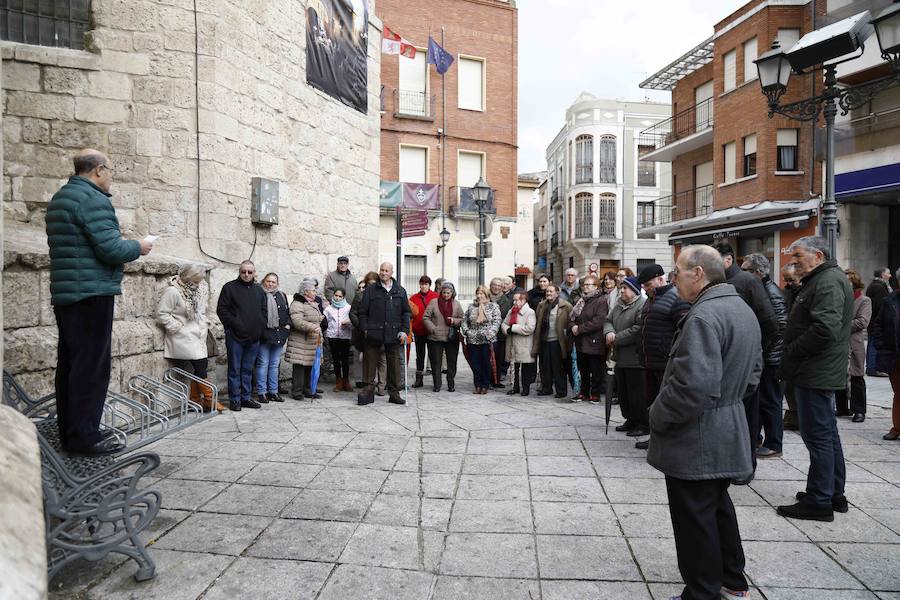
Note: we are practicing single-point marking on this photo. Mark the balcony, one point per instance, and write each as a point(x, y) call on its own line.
point(554, 196)
point(554, 241)
point(413, 105)
point(687, 130)
point(687, 204)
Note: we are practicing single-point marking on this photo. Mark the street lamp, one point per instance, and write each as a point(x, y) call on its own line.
point(480, 193)
point(445, 237)
point(814, 49)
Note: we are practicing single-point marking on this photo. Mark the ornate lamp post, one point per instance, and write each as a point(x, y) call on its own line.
point(808, 55)
point(445, 238)
point(481, 193)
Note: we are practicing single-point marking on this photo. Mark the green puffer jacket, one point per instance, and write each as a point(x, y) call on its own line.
point(817, 338)
point(86, 246)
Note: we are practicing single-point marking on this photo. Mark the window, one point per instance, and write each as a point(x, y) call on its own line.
point(571, 262)
point(607, 215)
point(43, 23)
point(750, 55)
point(414, 266)
point(412, 92)
point(584, 215)
point(607, 159)
point(729, 159)
point(468, 277)
point(787, 150)
point(413, 164)
point(646, 168)
point(471, 83)
point(730, 70)
point(645, 218)
point(470, 168)
point(584, 166)
point(644, 262)
point(787, 38)
point(750, 155)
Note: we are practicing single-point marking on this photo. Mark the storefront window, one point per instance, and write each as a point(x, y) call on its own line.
point(764, 245)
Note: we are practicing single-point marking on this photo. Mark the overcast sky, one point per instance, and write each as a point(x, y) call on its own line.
point(605, 47)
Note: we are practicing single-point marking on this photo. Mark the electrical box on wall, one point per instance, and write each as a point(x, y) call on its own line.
point(264, 202)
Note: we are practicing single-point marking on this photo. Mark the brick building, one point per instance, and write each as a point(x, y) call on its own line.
point(479, 127)
point(737, 175)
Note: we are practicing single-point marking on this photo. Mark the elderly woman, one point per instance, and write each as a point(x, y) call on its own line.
point(272, 343)
point(622, 329)
point(551, 343)
point(862, 313)
point(306, 335)
point(442, 320)
point(610, 287)
point(586, 326)
point(182, 313)
point(519, 325)
point(418, 303)
point(480, 325)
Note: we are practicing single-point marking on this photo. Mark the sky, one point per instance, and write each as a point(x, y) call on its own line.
point(605, 47)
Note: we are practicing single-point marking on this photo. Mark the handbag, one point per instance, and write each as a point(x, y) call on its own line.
point(453, 335)
point(212, 348)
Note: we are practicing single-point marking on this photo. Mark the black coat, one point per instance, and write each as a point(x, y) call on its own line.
point(776, 348)
point(887, 334)
point(535, 296)
point(382, 315)
point(659, 318)
point(751, 289)
point(242, 310)
point(877, 292)
point(280, 335)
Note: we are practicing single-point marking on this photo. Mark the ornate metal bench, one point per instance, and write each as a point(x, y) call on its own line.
point(92, 504)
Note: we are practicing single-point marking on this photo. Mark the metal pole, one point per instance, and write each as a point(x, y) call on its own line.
point(829, 223)
point(480, 243)
point(399, 243)
point(443, 165)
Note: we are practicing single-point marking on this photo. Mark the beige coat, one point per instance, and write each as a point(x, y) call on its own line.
point(862, 314)
point(185, 339)
point(435, 324)
point(306, 330)
point(519, 336)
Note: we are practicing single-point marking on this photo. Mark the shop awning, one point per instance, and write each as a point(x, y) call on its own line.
point(876, 185)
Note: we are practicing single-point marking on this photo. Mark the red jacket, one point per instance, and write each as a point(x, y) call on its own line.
point(417, 326)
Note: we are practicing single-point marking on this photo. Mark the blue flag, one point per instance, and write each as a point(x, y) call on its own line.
point(440, 58)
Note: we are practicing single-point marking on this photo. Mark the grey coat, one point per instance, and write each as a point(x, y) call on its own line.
point(698, 429)
point(625, 321)
point(519, 336)
point(862, 314)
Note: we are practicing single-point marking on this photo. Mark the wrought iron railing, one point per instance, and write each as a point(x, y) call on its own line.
point(554, 240)
point(554, 196)
point(694, 119)
point(686, 204)
point(583, 227)
point(413, 104)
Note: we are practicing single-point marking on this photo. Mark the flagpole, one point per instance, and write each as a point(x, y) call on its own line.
point(443, 163)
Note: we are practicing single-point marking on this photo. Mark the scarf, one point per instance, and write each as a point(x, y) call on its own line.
point(496, 297)
point(271, 309)
point(446, 308)
point(190, 292)
point(579, 306)
point(339, 303)
point(514, 314)
point(857, 294)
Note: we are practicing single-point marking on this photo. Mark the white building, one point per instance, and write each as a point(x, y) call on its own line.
point(600, 191)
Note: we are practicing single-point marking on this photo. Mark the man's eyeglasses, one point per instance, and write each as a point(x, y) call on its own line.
point(243, 272)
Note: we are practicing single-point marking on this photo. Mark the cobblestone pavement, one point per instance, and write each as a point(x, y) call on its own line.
point(458, 496)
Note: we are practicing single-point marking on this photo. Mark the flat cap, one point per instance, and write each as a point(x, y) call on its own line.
point(650, 272)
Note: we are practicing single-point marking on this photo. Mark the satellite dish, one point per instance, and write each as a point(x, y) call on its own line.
point(488, 226)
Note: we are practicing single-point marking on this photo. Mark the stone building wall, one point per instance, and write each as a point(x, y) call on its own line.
point(188, 116)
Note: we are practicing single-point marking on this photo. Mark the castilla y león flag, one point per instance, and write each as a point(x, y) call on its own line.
point(392, 43)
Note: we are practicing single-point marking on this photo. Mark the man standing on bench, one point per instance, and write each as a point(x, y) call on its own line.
point(87, 252)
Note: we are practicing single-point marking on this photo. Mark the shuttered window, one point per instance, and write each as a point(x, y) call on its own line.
point(729, 60)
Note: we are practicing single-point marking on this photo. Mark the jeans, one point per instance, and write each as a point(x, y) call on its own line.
point(818, 428)
point(480, 359)
point(241, 360)
point(770, 396)
point(870, 356)
point(340, 356)
point(267, 362)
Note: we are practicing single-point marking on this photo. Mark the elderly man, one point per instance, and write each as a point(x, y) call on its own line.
point(698, 430)
point(242, 309)
point(86, 257)
point(770, 391)
point(877, 292)
point(816, 353)
point(498, 295)
point(341, 279)
point(384, 316)
point(569, 289)
point(791, 287)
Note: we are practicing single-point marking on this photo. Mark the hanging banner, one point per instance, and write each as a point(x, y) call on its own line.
point(421, 196)
point(391, 194)
point(467, 201)
point(337, 34)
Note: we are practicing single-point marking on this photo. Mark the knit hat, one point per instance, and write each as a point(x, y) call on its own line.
point(632, 282)
point(650, 272)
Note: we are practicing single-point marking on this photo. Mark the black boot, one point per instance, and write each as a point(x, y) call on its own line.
point(450, 385)
point(419, 383)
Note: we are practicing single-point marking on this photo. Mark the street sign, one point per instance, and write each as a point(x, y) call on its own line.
point(594, 267)
point(413, 233)
point(414, 220)
point(484, 249)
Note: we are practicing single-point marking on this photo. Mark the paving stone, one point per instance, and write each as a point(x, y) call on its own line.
point(574, 518)
point(378, 441)
point(263, 579)
point(177, 577)
point(402, 483)
point(366, 458)
point(213, 469)
point(560, 466)
point(493, 487)
point(636, 491)
point(873, 495)
point(408, 461)
point(615, 447)
point(489, 555)
point(292, 539)
point(353, 582)
point(388, 509)
point(587, 557)
point(819, 594)
point(657, 559)
point(762, 523)
point(644, 520)
point(165, 520)
point(566, 489)
point(187, 495)
point(554, 447)
point(260, 500)
point(383, 546)
point(442, 463)
point(438, 485)
point(281, 474)
point(299, 453)
point(440, 445)
point(514, 447)
point(508, 433)
point(341, 478)
point(624, 468)
point(280, 437)
point(852, 526)
point(329, 505)
point(325, 438)
point(487, 464)
point(551, 433)
point(595, 590)
point(479, 588)
point(876, 565)
point(215, 533)
point(436, 513)
point(888, 517)
point(794, 564)
point(492, 516)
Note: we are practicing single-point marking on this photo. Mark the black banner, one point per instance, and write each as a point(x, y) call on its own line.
point(337, 42)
